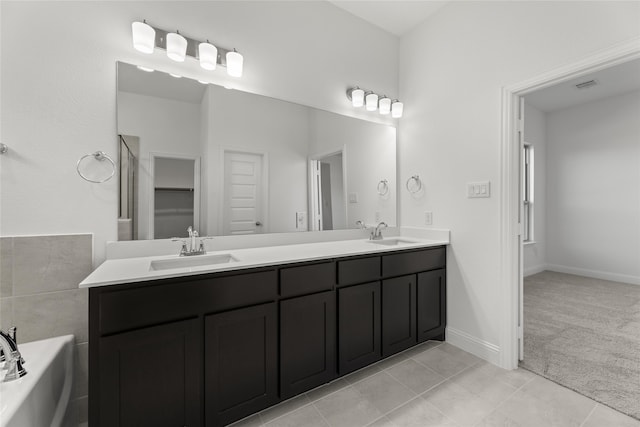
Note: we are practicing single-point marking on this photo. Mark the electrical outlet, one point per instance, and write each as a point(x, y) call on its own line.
point(428, 218)
point(301, 220)
point(478, 189)
point(353, 197)
point(377, 216)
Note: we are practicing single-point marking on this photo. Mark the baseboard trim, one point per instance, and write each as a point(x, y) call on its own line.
point(534, 270)
point(483, 349)
point(604, 275)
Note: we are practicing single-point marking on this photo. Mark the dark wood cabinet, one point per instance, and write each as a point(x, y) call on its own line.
point(151, 376)
point(307, 342)
point(398, 314)
point(210, 349)
point(432, 305)
point(240, 363)
point(358, 326)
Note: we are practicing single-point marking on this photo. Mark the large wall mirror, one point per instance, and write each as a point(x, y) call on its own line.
point(229, 162)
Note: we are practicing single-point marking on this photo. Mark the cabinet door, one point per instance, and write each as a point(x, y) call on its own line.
point(432, 304)
point(151, 377)
point(358, 326)
point(398, 314)
point(307, 342)
point(240, 350)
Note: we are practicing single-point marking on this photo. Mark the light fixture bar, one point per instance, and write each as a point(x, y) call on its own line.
point(372, 101)
point(192, 46)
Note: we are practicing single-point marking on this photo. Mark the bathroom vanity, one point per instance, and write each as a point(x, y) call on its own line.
point(209, 348)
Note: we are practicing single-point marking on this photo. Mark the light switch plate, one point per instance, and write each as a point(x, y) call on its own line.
point(428, 218)
point(480, 189)
point(377, 216)
point(301, 220)
point(353, 197)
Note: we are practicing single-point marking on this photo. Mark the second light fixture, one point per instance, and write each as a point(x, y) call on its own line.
point(372, 102)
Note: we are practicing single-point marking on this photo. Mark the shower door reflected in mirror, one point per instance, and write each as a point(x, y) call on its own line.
point(182, 118)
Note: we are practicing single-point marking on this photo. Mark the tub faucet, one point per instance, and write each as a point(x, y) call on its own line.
point(376, 234)
point(13, 361)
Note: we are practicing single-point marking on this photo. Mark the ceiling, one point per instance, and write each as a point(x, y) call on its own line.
point(397, 17)
point(610, 82)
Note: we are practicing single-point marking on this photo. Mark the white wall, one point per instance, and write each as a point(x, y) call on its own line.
point(165, 127)
point(452, 69)
point(593, 187)
point(60, 104)
point(535, 133)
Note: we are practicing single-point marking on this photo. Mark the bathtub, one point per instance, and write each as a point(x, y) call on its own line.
point(41, 397)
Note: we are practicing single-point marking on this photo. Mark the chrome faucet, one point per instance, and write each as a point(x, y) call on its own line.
point(193, 247)
point(12, 358)
point(376, 234)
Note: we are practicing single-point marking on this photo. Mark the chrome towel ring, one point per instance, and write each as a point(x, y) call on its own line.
point(416, 187)
point(383, 187)
point(100, 156)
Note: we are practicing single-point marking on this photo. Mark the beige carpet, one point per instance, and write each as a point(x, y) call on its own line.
point(584, 334)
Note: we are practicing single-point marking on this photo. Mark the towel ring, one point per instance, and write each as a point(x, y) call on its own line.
point(100, 156)
point(418, 184)
point(383, 187)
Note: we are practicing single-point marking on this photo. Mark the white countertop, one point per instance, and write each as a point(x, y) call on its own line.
point(138, 269)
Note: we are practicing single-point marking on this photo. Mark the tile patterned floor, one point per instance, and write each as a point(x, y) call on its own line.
point(437, 384)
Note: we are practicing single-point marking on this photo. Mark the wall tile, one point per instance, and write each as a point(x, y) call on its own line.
point(6, 314)
point(52, 314)
point(6, 267)
point(81, 371)
point(50, 263)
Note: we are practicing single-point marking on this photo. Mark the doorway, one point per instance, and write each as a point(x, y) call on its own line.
point(244, 181)
point(174, 196)
point(327, 190)
point(511, 223)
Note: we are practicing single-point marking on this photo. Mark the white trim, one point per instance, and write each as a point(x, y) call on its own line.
point(483, 349)
point(509, 200)
point(604, 275)
point(534, 270)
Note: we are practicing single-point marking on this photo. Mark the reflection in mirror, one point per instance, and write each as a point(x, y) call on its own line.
point(241, 163)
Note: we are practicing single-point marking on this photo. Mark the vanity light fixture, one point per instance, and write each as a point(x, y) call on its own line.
point(385, 105)
point(144, 37)
point(179, 47)
point(372, 102)
point(397, 108)
point(357, 97)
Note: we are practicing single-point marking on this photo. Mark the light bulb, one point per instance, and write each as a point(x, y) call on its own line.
point(203, 82)
point(234, 64)
point(176, 47)
point(397, 109)
point(144, 37)
point(146, 69)
point(357, 97)
point(372, 102)
point(385, 105)
point(208, 55)
point(177, 76)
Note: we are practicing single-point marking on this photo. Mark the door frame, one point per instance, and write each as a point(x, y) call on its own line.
point(510, 203)
point(265, 185)
point(152, 187)
point(313, 191)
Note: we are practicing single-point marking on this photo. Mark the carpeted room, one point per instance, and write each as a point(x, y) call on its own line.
point(582, 261)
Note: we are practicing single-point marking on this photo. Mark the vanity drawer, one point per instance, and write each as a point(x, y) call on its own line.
point(176, 299)
point(358, 270)
point(307, 279)
point(413, 262)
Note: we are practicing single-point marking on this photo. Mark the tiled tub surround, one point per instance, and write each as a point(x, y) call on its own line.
point(39, 294)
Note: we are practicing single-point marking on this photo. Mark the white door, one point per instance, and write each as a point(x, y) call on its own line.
point(521, 233)
point(242, 207)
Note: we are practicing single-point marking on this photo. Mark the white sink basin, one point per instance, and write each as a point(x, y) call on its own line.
point(41, 397)
point(392, 241)
point(192, 261)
